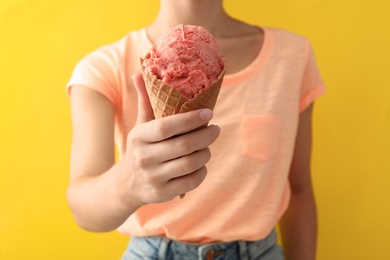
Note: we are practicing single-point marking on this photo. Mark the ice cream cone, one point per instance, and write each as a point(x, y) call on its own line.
point(187, 60)
point(166, 100)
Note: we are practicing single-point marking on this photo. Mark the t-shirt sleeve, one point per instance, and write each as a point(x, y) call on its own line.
point(312, 84)
point(98, 71)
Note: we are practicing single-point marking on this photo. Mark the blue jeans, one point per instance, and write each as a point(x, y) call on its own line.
point(157, 247)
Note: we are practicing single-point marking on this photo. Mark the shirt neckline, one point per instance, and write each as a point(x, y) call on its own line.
point(256, 65)
point(253, 68)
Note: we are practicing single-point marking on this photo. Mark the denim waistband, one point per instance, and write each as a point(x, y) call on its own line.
point(157, 247)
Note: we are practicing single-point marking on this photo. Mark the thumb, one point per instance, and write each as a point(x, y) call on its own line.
point(145, 111)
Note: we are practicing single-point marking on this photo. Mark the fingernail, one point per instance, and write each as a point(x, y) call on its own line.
point(206, 114)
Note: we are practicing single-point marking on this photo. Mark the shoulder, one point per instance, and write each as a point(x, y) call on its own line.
point(286, 35)
point(287, 40)
point(116, 51)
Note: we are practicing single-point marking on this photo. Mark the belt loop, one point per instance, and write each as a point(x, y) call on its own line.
point(243, 250)
point(164, 244)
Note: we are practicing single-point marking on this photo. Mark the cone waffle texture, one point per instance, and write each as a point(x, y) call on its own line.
point(167, 101)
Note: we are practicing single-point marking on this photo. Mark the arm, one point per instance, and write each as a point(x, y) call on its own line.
point(91, 193)
point(299, 224)
point(164, 158)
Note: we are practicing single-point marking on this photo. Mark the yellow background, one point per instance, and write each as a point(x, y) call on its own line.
point(41, 41)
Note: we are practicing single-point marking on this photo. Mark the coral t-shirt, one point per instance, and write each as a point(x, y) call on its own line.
point(246, 190)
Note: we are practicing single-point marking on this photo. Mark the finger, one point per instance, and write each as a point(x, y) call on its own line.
point(186, 183)
point(185, 144)
point(145, 111)
point(174, 125)
point(184, 165)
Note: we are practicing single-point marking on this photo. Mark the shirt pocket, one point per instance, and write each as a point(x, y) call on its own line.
point(260, 136)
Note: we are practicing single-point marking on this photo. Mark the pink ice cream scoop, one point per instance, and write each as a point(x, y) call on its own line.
point(187, 58)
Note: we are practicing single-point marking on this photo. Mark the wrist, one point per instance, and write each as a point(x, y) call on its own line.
point(125, 198)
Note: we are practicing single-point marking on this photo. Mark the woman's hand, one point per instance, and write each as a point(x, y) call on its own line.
point(165, 157)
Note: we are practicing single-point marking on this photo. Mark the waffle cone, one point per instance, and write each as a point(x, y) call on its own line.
point(167, 101)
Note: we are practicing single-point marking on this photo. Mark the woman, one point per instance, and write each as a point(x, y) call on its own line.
point(258, 170)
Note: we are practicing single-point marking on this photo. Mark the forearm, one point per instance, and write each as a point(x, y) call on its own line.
point(299, 227)
point(96, 202)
